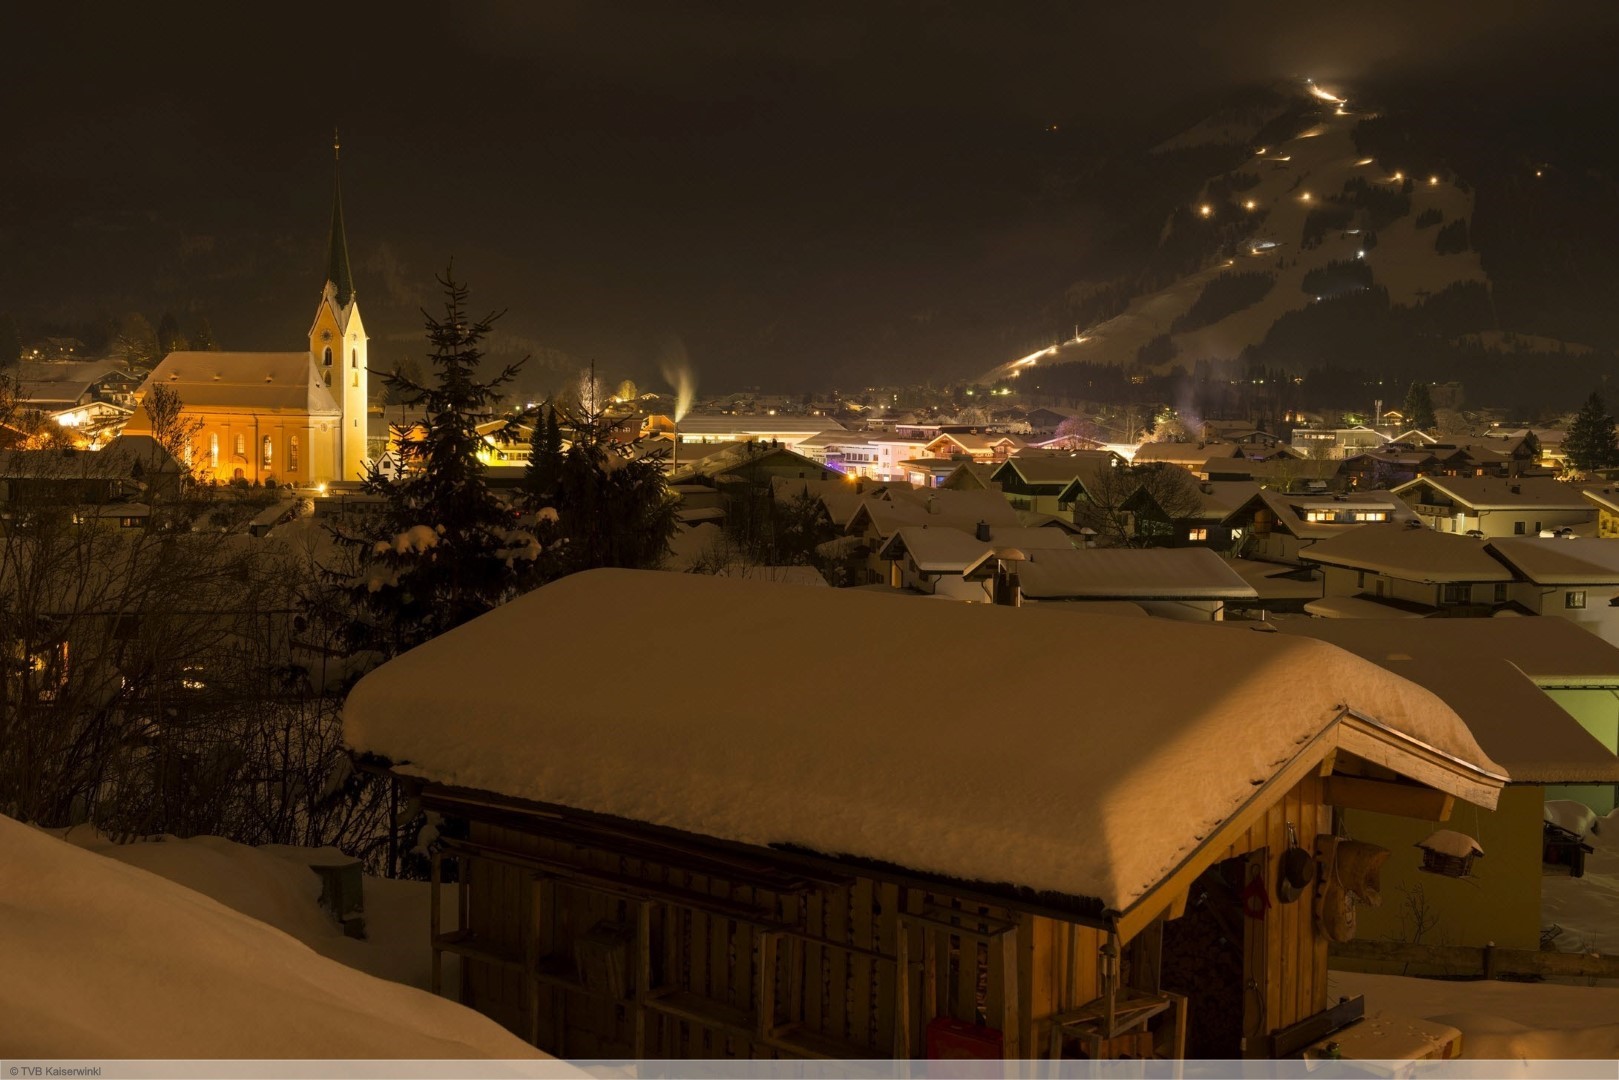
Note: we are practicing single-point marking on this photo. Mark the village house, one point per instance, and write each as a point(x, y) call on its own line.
point(1335, 444)
point(118, 484)
point(1153, 874)
point(1278, 526)
point(877, 519)
point(967, 444)
point(783, 429)
point(1490, 506)
point(1190, 584)
point(1052, 482)
point(1400, 570)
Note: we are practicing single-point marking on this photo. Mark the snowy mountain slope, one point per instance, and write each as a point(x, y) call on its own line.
point(1294, 178)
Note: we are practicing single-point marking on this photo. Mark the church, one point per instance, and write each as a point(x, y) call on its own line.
point(295, 418)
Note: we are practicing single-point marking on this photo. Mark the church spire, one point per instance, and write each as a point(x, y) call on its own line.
point(337, 257)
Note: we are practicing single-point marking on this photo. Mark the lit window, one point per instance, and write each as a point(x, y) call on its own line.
point(265, 452)
point(292, 454)
point(1574, 598)
point(213, 451)
point(1197, 534)
point(241, 446)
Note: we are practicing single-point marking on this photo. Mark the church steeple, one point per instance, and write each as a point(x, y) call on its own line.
point(337, 256)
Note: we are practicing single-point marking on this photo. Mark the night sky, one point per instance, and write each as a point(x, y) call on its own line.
point(783, 192)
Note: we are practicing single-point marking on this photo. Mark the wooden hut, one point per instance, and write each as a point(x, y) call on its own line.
point(754, 857)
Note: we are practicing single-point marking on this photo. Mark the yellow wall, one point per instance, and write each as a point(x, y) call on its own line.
point(317, 455)
point(1499, 902)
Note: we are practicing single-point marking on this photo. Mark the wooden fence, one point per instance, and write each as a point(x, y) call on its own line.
point(1489, 962)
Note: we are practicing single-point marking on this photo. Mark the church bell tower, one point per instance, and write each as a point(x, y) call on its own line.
point(337, 340)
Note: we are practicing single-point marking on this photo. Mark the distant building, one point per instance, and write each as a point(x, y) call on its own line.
point(291, 417)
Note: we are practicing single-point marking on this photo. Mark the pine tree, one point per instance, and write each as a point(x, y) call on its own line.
point(169, 338)
point(1419, 414)
point(614, 507)
point(544, 459)
point(444, 550)
point(1591, 442)
point(202, 336)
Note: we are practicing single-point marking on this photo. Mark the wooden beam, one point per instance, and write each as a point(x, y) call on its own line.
point(1386, 797)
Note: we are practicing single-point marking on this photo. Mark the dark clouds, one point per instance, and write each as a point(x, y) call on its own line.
point(790, 188)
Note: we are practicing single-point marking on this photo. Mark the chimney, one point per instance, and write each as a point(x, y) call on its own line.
point(982, 532)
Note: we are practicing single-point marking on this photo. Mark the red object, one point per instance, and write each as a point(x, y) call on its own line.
point(956, 1039)
point(1255, 897)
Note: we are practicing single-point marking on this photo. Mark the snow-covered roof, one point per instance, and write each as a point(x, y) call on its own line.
point(104, 960)
point(1411, 554)
point(759, 426)
point(1101, 803)
point(1495, 493)
point(1486, 670)
point(1578, 561)
point(240, 380)
point(941, 550)
point(1361, 607)
point(1132, 573)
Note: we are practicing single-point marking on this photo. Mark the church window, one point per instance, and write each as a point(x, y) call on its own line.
point(213, 450)
point(354, 358)
point(241, 446)
point(266, 453)
point(356, 378)
point(292, 454)
point(328, 380)
point(328, 356)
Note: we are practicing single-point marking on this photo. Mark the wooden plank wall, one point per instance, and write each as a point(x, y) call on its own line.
point(1284, 954)
point(824, 998)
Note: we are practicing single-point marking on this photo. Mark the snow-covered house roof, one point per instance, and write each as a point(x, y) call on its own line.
point(1494, 493)
point(1104, 804)
point(941, 550)
point(241, 381)
point(1410, 554)
point(1316, 517)
point(104, 960)
point(1578, 561)
point(1483, 669)
point(1190, 573)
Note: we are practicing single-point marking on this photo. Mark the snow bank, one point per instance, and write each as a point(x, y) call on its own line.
point(274, 884)
point(1498, 1020)
point(106, 960)
point(1096, 788)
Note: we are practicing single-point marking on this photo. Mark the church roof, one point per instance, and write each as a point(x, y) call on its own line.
point(244, 380)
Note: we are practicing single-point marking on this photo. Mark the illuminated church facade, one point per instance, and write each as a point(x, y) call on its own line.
point(292, 417)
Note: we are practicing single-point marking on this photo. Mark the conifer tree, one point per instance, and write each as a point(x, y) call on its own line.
point(1419, 414)
point(444, 549)
point(1591, 442)
point(545, 458)
point(614, 507)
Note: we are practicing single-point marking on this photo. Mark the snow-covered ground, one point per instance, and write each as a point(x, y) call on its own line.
point(102, 959)
point(275, 885)
point(1587, 908)
point(1503, 1020)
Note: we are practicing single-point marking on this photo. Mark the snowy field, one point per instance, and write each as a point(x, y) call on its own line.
point(102, 959)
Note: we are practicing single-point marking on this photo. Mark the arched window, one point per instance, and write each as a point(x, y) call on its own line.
point(328, 380)
point(241, 446)
point(328, 356)
point(356, 379)
point(266, 453)
point(213, 450)
point(354, 358)
point(292, 454)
